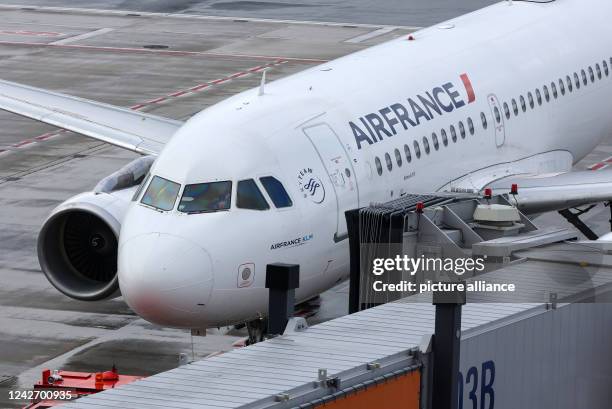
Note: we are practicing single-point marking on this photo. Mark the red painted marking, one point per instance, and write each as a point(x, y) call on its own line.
point(597, 166)
point(137, 107)
point(468, 87)
point(238, 75)
point(156, 100)
point(23, 143)
point(43, 136)
point(31, 33)
point(609, 160)
point(219, 81)
point(178, 94)
point(46, 136)
point(199, 87)
point(255, 69)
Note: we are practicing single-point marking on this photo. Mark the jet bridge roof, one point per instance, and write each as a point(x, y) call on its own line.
point(284, 368)
point(252, 377)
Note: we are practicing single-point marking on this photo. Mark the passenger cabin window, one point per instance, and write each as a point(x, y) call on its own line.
point(483, 118)
point(497, 114)
point(562, 86)
point(546, 93)
point(161, 194)
point(585, 81)
point(514, 107)
point(570, 86)
point(462, 130)
point(389, 163)
point(523, 104)
point(444, 137)
point(553, 86)
point(531, 101)
point(426, 145)
point(453, 133)
point(598, 69)
point(471, 125)
point(539, 96)
point(591, 74)
point(407, 153)
point(506, 110)
point(206, 197)
point(577, 80)
point(277, 191)
point(434, 139)
point(379, 168)
point(605, 67)
point(417, 149)
point(248, 196)
point(398, 158)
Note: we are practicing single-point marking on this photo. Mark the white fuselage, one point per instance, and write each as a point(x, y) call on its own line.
point(322, 132)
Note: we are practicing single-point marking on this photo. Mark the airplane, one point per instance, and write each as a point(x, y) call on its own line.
point(517, 92)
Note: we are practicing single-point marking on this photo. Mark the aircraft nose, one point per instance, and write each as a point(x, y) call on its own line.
point(166, 279)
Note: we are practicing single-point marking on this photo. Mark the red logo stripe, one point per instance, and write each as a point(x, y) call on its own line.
point(468, 87)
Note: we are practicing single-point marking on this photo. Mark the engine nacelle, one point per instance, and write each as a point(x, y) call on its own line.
point(78, 243)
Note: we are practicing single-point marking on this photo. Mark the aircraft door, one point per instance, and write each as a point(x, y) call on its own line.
point(498, 120)
point(340, 170)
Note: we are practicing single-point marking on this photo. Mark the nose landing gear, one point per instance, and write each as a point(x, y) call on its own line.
point(257, 329)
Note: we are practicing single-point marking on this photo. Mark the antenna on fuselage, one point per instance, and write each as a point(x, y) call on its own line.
point(262, 84)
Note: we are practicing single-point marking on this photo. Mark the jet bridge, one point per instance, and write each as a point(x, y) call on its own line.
point(438, 226)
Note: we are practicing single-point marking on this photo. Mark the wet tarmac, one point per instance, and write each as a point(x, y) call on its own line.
point(389, 12)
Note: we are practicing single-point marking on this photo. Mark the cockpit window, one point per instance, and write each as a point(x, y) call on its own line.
point(206, 197)
point(140, 187)
point(250, 197)
point(276, 191)
point(161, 193)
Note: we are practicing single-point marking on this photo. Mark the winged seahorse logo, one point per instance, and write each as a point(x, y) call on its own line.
point(311, 186)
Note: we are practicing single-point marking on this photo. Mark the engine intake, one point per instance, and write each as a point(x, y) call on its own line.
point(77, 248)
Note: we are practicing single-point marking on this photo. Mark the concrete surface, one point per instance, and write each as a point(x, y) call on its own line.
point(102, 56)
point(392, 12)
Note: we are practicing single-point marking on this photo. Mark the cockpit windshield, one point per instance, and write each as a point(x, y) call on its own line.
point(161, 194)
point(206, 197)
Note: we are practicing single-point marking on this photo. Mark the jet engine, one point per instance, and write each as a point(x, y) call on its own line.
point(78, 243)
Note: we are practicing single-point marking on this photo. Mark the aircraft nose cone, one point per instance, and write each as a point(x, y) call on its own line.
point(166, 279)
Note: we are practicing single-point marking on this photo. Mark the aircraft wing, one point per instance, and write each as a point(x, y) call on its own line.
point(542, 193)
point(128, 129)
